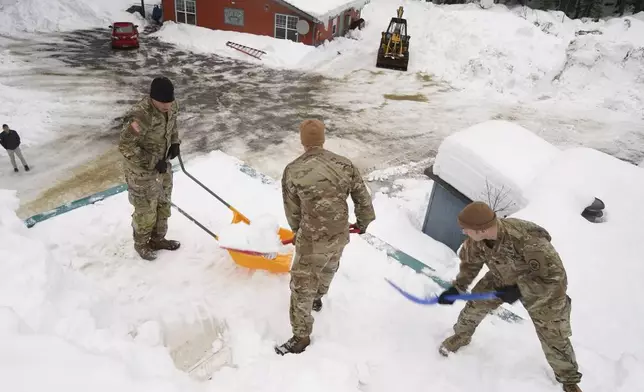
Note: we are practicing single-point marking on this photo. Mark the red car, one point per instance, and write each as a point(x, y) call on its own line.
point(125, 35)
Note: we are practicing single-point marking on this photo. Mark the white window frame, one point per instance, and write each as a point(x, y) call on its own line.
point(334, 29)
point(185, 12)
point(297, 35)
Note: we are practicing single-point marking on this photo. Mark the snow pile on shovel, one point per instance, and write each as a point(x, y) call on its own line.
point(260, 236)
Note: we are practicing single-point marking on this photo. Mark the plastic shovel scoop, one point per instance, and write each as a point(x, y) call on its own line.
point(434, 299)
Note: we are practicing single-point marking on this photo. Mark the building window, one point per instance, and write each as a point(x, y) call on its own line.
point(286, 27)
point(234, 16)
point(186, 11)
point(335, 26)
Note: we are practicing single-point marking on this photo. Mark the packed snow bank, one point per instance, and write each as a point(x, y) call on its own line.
point(602, 259)
point(279, 52)
point(58, 333)
point(609, 53)
point(493, 161)
point(62, 15)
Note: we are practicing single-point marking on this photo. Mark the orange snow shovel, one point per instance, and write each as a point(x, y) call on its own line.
point(273, 262)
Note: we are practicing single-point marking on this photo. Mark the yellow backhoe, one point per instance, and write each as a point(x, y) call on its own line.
point(393, 52)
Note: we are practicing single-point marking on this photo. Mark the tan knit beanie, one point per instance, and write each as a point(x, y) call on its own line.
point(476, 216)
point(312, 133)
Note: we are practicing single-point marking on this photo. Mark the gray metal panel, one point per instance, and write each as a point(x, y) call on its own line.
point(440, 219)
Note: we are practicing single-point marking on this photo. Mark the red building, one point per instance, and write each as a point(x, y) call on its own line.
point(298, 20)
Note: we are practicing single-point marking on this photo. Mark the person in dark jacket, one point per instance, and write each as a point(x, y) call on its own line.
point(10, 140)
point(156, 14)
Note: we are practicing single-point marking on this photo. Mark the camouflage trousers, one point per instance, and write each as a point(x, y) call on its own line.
point(311, 276)
point(149, 192)
point(553, 330)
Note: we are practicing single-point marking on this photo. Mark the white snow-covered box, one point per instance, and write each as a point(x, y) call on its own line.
point(494, 161)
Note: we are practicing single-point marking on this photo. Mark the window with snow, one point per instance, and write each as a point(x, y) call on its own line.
point(286, 27)
point(234, 16)
point(335, 27)
point(186, 11)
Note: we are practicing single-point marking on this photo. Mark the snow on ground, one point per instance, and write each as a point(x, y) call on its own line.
point(17, 109)
point(522, 52)
point(279, 53)
point(17, 16)
point(367, 335)
point(58, 332)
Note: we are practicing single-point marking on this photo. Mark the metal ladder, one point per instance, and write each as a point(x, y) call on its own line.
point(246, 49)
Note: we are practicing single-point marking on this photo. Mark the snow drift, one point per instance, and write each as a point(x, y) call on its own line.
point(61, 15)
point(58, 333)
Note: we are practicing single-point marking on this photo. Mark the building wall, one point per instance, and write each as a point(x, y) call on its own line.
point(168, 9)
point(258, 18)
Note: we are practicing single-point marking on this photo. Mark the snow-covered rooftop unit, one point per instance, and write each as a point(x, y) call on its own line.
point(495, 162)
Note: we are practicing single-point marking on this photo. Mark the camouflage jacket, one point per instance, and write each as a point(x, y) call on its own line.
point(315, 188)
point(147, 135)
point(521, 255)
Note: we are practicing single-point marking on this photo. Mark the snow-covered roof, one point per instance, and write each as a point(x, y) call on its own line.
point(325, 9)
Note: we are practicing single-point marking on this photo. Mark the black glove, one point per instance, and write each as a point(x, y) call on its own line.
point(451, 291)
point(162, 166)
point(509, 294)
point(173, 152)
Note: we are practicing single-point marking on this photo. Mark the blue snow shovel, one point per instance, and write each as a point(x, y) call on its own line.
point(434, 300)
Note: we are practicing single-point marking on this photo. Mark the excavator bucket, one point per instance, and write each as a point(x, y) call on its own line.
point(393, 52)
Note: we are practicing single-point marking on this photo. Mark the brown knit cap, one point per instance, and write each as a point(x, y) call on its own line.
point(476, 216)
point(312, 133)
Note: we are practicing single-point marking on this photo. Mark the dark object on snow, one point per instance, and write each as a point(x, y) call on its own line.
point(585, 32)
point(445, 203)
point(359, 24)
point(594, 212)
point(136, 8)
point(393, 52)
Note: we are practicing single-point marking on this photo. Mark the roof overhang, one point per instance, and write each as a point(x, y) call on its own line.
point(299, 11)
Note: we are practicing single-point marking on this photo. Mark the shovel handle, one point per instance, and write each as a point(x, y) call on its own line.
point(352, 230)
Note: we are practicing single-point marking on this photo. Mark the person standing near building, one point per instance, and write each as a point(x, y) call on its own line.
point(523, 265)
point(148, 140)
point(315, 188)
point(10, 140)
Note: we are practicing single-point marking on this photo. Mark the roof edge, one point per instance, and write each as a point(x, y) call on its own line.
point(286, 4)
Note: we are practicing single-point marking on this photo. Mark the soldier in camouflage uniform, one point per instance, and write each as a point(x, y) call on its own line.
point(315, 188)
point(149, 139)
point(523, 265)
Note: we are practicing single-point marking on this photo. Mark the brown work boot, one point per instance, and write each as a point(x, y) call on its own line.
point(294, 345)
point(145, 252)
point(571, 388)
point(453, 343)
point(163, 244)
